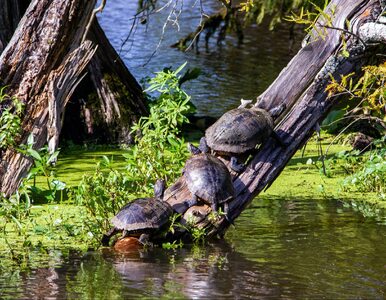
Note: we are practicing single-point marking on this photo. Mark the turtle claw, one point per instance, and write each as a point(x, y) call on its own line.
point(236, 166)
point(107, 236)
point(226, 211)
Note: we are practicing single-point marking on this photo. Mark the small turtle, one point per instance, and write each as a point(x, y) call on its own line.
point(240, 130)
point(208, 180)
point(141, 216)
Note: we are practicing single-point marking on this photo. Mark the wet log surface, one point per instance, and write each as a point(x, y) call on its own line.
point(301, 86)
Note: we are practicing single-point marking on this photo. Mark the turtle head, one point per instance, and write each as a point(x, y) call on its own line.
point(193, 149)
point(159, 188)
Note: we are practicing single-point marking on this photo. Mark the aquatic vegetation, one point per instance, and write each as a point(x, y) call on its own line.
point(370, 175)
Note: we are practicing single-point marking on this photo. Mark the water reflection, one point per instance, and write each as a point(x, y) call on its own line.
point(296, 249)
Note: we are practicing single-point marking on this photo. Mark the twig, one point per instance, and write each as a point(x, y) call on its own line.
point(94, 12)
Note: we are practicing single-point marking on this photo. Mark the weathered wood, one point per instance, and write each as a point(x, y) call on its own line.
point(35, 59)
point(112, 100)
point(107, 102)
point(301, 86)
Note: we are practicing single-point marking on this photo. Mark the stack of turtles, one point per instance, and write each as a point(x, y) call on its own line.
point(207, 178)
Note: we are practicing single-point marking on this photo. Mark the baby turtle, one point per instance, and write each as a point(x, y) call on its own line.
point(142, 216)
point(240, 130)
point(208, 179)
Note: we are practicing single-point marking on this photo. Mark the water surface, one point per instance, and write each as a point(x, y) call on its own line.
point(295, 249)
point(229, 73)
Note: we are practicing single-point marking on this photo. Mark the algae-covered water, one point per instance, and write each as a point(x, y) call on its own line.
point(295, 249)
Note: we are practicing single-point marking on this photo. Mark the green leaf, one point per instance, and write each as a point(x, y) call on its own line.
point(34, 154)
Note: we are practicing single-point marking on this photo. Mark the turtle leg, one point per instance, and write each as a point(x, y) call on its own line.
point(144, 239)
point(185, 205)
point(193, 149)
point(236, 166)
point(278, 139)
point(226, 210)
point(214, 207)
point(125, 233)
point(107, 236)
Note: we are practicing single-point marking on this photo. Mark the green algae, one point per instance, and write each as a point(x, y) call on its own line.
point(67, 225)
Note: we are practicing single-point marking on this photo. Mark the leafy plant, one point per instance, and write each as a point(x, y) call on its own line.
point(257, 10)
point(43, 165)
point(368, 94)
point(11, 110)
point(159, 151)
point(104, 192)
point(371, 177)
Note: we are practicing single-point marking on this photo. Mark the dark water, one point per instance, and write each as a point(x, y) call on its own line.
point(228, 72)
point(278, 249)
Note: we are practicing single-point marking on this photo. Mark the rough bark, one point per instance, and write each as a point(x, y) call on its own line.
point(301, 86)
point(41, 66)
point(108, 101)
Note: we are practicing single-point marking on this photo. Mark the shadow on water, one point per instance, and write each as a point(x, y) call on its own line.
point(294, 249)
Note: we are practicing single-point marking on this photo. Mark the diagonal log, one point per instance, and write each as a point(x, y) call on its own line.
point(301, 86)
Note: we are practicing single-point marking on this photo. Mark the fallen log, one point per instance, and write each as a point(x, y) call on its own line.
point(301, 87)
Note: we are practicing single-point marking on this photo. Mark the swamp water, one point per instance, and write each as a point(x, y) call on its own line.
point(295, 249)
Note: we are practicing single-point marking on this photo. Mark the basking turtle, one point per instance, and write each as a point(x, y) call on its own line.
point(208, 180)
point(240, 130)
point(142, 216)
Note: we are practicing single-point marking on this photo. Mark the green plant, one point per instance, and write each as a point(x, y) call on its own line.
point(104, 192)
point(371, 177)
point(159, 151)
point(172, 246)
point(11, 110)
point(43, 165)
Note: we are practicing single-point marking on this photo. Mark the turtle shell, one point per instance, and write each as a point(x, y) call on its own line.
point(208, 178)
point(142, 214)
point(239, 130)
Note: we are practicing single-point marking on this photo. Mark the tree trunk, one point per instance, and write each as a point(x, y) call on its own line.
point(301, 86)
point(41, 66)
point(108, 102)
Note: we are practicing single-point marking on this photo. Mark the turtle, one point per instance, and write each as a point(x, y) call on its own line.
point(142, 216)
point(208, 179)
point(239, 131)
